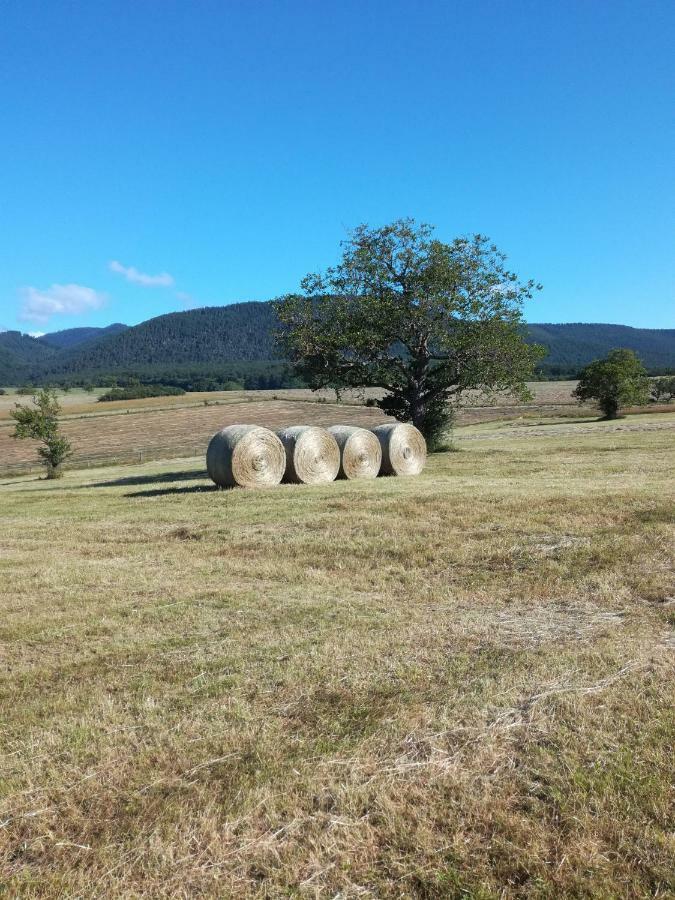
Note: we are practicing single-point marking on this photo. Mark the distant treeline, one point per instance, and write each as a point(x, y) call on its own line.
point(254, 376)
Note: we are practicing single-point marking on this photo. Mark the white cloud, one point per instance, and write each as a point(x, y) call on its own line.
point(59, 299)
point(132, 274)
point(36, 334)
point(187, 300)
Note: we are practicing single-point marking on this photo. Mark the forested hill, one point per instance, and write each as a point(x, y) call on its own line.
point(229, 341)
point(71, 337)
point(241, 332)
point(571, 346)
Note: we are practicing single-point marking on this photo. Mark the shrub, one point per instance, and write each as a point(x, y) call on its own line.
point(663, 389)
point(140, 392)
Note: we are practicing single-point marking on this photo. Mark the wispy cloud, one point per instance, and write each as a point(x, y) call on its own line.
point(132, 274)
point(187, 300)
point(59, 299)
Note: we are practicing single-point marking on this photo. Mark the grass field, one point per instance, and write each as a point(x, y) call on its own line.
point(166, 427)
point(457, 685)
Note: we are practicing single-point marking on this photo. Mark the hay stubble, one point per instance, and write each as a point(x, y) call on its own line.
point(472, 698)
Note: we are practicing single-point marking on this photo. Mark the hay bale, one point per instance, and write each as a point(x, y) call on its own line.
point(360, 451)
point(312, 454)
point(404, 450)
point(245, 455)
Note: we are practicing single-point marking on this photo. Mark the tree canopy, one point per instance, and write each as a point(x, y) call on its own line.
point(617, 380)
point(40, 422)
point(423, 319)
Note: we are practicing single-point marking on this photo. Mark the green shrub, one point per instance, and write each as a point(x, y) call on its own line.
point(140, 392)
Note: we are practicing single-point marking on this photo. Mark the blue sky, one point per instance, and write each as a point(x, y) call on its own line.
point(158, 155)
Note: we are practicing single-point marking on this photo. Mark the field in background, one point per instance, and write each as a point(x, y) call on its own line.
point(79, 402)
point(454, 685)
point(132, 431)
point(165, 427)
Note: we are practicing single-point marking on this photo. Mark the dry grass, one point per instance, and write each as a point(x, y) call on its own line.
point(180, 430)
point(78, 402)
point(454, 685)
point(160, 427)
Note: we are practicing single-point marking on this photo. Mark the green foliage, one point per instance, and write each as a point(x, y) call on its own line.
point(140, 391)
point(573, 345)
point(422, 319)
point(72, 337)
point(224, 341)
point(40, 422)
point(617, 380)
point(663, 389)
point(223, 334)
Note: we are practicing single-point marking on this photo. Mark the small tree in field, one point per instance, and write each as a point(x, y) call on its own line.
point(617, 380)
point(40, 422)
point(422, 319)
point(663, 389)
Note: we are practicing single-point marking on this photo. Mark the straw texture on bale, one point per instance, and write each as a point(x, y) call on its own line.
point(245, 456)
point(360, 451)
point(404, 450)
point(312, 454)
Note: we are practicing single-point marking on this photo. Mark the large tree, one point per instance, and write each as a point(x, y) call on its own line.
point(618, 380)
point(423, 319)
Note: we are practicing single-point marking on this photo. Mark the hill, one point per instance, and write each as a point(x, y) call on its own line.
point(19, 354)
point(71, 337)
point(219, 334)
point(207, 346)
point(572, 346)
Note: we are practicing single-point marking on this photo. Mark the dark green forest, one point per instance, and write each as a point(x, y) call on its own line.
point(213, 347)
point(71, 337)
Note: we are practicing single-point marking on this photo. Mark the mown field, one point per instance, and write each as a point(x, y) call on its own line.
point(456, 685)
point(165, 427)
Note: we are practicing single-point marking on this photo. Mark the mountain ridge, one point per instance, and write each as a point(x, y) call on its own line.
point(224, 341)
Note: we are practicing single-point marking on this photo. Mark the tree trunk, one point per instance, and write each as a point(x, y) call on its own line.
point(610, 408)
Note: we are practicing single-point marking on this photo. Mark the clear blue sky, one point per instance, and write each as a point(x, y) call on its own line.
point(224, 148)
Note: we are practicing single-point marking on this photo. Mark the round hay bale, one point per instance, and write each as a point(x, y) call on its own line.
point(404, 450)
point(245, 455)
point(312, 454)
point(360, 451)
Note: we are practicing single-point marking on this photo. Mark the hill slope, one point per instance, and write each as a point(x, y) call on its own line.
point(225, 341)
point(19, 354)
point(71, 337)
point(242, 332)
point(571, 346)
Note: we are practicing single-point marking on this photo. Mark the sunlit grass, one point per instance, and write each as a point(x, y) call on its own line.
point(419, 687)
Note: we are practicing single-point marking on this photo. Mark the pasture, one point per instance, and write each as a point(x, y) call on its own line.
point(164, 427)
point(453, 685)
